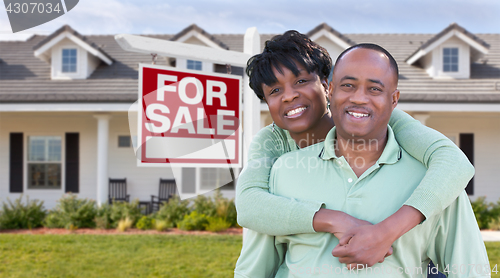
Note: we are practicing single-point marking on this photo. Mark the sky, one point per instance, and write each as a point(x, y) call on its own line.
point(269, 16)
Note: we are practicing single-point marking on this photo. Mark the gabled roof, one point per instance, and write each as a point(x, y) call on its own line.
point(67, 32)
point(194, 28)
point(325, 30)
point(24, 78)
point(452, 30)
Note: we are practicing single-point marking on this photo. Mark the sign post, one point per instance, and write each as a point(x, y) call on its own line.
point(251, 104)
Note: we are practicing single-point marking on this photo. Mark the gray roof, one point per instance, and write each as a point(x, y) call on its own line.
point(331, 30)
point(25, 78)
point(67, 28)
point(448, 29)
point(194, 27)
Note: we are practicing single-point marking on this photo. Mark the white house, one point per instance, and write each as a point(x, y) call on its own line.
point(64, 101)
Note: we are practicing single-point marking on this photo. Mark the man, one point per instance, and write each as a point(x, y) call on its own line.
point(361, 170)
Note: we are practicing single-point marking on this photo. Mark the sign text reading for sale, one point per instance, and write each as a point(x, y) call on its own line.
point(188, 118)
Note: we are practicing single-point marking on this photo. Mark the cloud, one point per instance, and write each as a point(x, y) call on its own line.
point(227, 16)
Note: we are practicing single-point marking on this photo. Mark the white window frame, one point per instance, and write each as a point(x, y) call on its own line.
point(463, 62)
point(196, 63)
point(81, 63)
point(181, 63)
point(451, 63)
point(62, 60)
point(26, 162)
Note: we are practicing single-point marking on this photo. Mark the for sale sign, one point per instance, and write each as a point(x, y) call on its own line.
point(188, 118)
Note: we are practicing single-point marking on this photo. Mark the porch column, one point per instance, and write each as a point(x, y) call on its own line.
point(422, 118)
point(102, 157)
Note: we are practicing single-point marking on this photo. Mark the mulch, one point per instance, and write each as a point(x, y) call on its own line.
point(173, 231)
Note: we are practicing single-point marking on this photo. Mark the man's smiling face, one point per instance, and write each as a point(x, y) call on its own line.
point(363, 94)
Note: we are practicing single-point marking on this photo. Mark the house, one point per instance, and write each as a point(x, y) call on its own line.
point(65, 98)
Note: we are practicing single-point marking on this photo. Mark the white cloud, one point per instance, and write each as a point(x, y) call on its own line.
point(227, 16)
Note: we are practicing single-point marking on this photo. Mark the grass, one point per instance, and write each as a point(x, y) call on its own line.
point(493, 249)
point(118, 256)
point(129, 255)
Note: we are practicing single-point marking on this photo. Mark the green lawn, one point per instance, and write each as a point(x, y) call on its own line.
point(118, 255)
point(129, 255)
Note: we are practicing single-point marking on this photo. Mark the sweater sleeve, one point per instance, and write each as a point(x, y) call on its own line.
point(260, 210)
point(448, 169)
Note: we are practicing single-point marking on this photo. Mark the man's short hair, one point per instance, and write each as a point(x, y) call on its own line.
point(376, 47)
point(285, 50)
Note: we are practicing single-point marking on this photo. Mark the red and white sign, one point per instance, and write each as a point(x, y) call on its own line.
point(188, 118)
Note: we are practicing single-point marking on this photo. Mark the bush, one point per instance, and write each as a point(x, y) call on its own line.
point(205, 205)
point(124, 224)
point(486, 213)
point(225, 209)
point(16, 215)
point(103, 217)
point(145, 223)
point(72, 213)
point(123, 210)
point(217, 224)
point(173, 211)
point(193, 221)
point(161, 225)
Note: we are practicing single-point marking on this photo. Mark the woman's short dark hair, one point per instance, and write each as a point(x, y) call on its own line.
point(285, 50)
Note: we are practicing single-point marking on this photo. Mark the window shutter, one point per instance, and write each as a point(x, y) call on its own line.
point(16, 163)
point(72, 163)
point(467, 146)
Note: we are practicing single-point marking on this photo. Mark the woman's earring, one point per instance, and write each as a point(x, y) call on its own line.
point(273, 126)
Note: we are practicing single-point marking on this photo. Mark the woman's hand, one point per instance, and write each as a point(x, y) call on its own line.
point(360, 242)
point(363, 245)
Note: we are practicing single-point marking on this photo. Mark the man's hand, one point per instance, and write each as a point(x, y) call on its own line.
point(365, 245)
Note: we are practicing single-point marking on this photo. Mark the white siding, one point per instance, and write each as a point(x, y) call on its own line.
point(141, 182)
point(486, 130)
point(436, 68)
point(333, 49)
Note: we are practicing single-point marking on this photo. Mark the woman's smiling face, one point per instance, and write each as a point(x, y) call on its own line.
point(297, 103)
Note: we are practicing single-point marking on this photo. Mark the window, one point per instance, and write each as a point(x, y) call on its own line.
point(194, 65)
point(44, 162)
point(212, 178)
point(69, 60)
point(450, 59)
point(124, 141)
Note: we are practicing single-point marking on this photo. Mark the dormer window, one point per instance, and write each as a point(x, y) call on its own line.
point(449, 54)
point(450, 59)
point(69, 60)
point(70, 55)
point(194, 65)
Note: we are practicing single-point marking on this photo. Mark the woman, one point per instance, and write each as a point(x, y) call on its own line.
point(293, 63)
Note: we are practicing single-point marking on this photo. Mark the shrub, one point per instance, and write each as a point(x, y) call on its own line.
point(204, 205)
point(72, 213)
point(124, 224)
point(145, 223)
point(123, 210)
point(193, 221)
point(173, 211)
point(225, 209)
point(17, 215)
point(217, 224)
point(161, 225)
point(103, 217)
point(486, 213)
